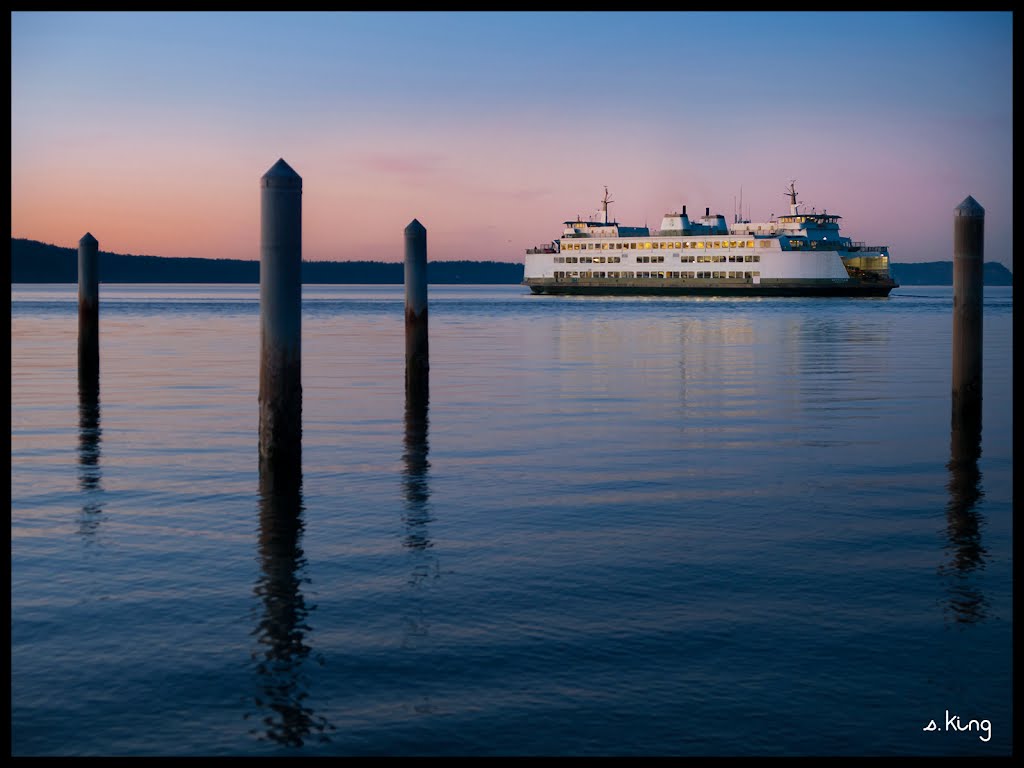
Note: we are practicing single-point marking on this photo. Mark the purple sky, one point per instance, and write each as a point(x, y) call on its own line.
point(152, 130)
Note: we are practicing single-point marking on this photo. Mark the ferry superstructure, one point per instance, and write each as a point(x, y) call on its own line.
point(800, 254)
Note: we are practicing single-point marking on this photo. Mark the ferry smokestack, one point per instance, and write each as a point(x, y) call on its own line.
point(684, 210)
point(707, 211)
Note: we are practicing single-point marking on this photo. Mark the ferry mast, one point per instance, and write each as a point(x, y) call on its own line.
point(791, 194)
point(604, 206)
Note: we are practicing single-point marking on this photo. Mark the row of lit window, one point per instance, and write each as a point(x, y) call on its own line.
point(686, 258)
point(697, 275)
point(587, 259)
point(712, 257)
point(662, 245)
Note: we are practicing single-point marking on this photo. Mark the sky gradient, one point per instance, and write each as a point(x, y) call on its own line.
point(152, 130)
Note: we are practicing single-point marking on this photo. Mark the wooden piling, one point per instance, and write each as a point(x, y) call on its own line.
point(88, 308)
point(968, 267)
point(280, 393)
point(417, 358)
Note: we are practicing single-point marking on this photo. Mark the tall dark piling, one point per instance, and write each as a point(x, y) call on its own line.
point(88, 308)
point(280, 395)
point(417, 358)
point(968, 267)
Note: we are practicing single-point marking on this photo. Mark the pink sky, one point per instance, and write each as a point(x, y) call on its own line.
point(152, 130)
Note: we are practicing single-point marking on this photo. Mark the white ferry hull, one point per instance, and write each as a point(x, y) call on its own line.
point(685, 287)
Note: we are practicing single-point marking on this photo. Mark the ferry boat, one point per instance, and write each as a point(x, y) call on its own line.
point(801, 254)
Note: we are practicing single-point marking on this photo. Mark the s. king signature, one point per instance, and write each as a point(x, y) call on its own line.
point(953, 724)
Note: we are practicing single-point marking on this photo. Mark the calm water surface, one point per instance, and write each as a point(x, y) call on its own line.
point(619, 527)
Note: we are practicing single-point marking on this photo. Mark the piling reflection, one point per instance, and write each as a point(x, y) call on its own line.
point(414, 478)
point(89, 434)
point(416, 490)
point(965, 551)
point(282, 628)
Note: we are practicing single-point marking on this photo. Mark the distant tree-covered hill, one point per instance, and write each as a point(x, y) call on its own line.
point(35, 262)
point(941, 273)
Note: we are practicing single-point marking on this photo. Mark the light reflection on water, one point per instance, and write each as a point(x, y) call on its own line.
point(613, 527)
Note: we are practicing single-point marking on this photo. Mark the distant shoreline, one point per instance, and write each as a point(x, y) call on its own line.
point(36, 262)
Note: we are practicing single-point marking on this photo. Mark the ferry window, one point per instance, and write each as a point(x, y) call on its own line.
point(757, 257)
point(632, 246)
point(750, 243)
point(748, 257)
point(679, 245)
point(699, 244)
point(732, 243)
point(717, 244)
point(647, 246)
point(764, 244)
